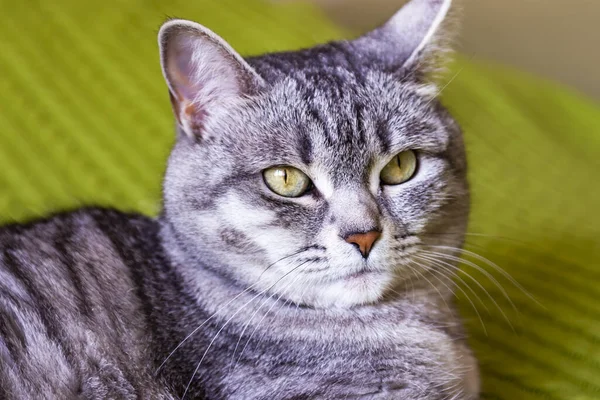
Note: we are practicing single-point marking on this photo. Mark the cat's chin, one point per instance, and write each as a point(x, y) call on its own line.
point(354, 290)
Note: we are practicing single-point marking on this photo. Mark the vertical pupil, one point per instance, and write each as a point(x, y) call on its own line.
point(285, 176)
point(398, 162)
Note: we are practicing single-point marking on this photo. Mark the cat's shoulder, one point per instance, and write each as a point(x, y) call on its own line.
point(73, 313)
point(122, 226)
point(81, 241)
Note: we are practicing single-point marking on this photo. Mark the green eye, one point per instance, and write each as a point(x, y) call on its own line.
point(286, 181)
point(400, 169)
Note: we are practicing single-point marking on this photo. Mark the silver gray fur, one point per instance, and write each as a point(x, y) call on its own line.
point(235, 292)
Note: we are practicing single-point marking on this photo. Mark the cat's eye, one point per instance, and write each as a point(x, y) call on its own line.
point(287, 181)
point(400, 169)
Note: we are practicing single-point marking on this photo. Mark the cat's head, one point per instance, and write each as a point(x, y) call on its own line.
point(314, 175)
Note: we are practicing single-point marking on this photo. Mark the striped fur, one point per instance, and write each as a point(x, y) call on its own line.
point(235, 292)
point(74, 318)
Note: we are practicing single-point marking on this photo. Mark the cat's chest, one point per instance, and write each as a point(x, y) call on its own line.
point(398, 364)
point(296, 370)
point(385, 359)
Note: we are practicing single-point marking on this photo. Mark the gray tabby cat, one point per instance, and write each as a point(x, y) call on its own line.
point(287, 261)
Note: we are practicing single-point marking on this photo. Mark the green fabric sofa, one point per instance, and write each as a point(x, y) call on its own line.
point(85, 119)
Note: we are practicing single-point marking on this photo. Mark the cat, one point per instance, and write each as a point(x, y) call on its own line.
point(287, 262)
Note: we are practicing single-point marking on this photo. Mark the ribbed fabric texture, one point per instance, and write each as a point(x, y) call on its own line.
point(85, 119)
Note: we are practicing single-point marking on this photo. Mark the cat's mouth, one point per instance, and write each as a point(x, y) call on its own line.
point(363, 273)
point(359, 274)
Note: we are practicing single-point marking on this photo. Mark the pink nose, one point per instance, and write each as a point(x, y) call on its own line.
point(364, 241)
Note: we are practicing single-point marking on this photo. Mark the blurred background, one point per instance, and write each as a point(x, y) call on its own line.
point(557, 39)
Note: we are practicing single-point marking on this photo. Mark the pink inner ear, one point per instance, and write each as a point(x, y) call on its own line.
point(180, 72)
point(184, 96)
point(195, 116)
point(204, 75)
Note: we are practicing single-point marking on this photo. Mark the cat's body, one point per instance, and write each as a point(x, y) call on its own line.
point(83, 316)
point(74, 322)
point(288, 260)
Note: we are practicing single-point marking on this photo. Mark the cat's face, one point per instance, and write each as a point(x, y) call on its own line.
point(313, 176)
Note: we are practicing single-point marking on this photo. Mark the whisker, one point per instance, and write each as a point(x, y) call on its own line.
point(477, 235)
point(446, 85)
point(432, 285)
point(256, 312)
point(442, 256)
point(494, 266)
point(193, 332)
point(434, 276)
point(302, 250)
point(222, 308)
point(412, 285)
point(448, 267)
point(463, 292)
point(227, 323)
point(472, 264)
point(263, 318)
point(474, 234)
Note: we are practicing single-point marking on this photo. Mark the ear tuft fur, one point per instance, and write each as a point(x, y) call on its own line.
point(417, 39)
point(203, 73)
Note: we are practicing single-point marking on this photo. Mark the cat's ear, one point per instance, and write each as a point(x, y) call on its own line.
point(413, 39)
point(204, 74)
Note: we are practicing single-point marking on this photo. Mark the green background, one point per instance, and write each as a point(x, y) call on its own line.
point(85, 119)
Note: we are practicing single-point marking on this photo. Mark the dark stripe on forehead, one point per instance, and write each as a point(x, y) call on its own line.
point(384, 135)
point(318, 117)
point(353, 63)
point(304, 146)
point(360, 122)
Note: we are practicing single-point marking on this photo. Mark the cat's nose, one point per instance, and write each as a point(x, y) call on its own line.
point(363, 241)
